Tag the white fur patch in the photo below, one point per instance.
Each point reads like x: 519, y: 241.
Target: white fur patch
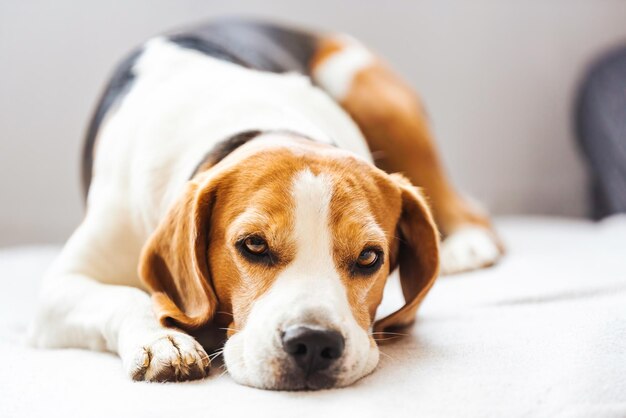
x: 336, y: 73
x: 311, y: 196
x: 467, y: 249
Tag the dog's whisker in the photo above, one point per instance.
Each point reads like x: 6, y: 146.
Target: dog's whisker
x: 387, y: 339
x: 386, y: 355
x: 225, y: 313
x: 389, y: 333
x: 225, y: 370
x: 399, y: 238
x: 230, y: 329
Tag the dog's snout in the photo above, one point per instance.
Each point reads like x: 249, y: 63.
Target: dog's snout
x: 313, y: 349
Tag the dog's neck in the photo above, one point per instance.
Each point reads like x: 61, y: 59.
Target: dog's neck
x: 224, y: 148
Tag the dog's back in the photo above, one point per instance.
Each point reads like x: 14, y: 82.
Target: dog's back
x: 251, y: 44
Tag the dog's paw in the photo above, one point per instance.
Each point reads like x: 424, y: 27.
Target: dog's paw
x: 173, y: 357
x: 469, y: 248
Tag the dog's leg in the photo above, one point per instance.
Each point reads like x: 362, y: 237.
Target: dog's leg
x: 393, y: 121
x: 88, y: 301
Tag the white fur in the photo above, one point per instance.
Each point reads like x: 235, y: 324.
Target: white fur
x: 335, y: 73
x: 309, y: 292
x: 180, y: 105
x: 468, y: 248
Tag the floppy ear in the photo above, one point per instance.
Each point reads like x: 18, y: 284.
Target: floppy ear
x: 418, y: 255
x: 174, y: 261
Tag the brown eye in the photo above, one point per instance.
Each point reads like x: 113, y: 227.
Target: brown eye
x: 367, y: 258
x: 255, y: 245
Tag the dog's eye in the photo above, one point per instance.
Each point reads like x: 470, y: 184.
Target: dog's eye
x: 367, y: 258
x: 256, y: 250
x: 255, y: 245
x: 368, y: 262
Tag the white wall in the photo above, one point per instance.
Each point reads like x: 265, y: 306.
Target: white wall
x: 498, y: 77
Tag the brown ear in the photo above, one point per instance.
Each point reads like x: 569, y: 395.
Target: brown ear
x: 174, y: 261
x: 418, y: 255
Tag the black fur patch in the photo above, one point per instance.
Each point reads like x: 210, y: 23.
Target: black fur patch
x: 205, y: 46
x: 118, y: 86
x: 225, y: 147
x: 230, y: 144
x: 252, y: 44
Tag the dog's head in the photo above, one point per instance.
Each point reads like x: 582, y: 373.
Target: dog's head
x: 295, y: 240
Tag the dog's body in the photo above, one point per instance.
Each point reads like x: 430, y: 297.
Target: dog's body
x: 232, y: 178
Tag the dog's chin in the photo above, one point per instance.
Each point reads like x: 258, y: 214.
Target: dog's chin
x: 276, y: 373
x: 295, y: 380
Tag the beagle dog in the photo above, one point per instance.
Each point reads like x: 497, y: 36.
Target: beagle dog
x: 231, y: 185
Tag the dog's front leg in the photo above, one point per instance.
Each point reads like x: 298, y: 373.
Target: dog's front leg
x: 79, y: 308
x: 81, y: 312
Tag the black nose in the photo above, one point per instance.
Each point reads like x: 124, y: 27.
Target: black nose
x: 313, y: 349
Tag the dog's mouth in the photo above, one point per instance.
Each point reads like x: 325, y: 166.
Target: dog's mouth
x: 298, y: 381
